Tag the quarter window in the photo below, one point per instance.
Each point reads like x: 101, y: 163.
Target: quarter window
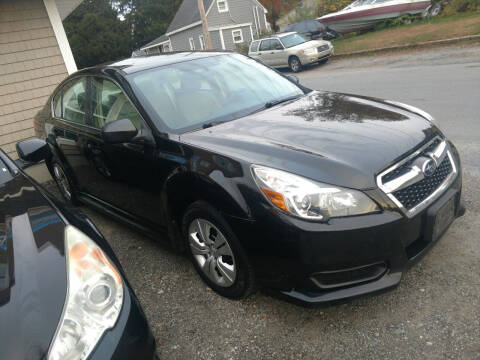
x: 222, y: 6
x: 192, y: 44
x: 237, y: 36
x: 109, y: 103
x: 74, y: 101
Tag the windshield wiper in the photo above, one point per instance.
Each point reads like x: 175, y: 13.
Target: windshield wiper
x: 271, y: 103
x: 212, y: 123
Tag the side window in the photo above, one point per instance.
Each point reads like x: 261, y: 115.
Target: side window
x: 254, y: 46
x: 265, y: 45
x: 109, y: 103
x: 276, y: 45
x: 74, y: 101
x: 57, y: 104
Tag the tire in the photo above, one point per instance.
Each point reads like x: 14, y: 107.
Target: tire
x: 323, y: 61
x: 295, y: 64
x: 435, y: 10
x: 220, y: 261
x: 63, y: 181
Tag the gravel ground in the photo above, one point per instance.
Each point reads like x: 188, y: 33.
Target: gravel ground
x: 434, y: 313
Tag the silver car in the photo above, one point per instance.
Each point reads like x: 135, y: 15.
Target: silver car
x: 290, y: 50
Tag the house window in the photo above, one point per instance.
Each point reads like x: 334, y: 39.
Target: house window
x: 192, y: 44
x: 166, y: 47
x: 222, y: 6
x: 202, y: 42
x: 237, y: 36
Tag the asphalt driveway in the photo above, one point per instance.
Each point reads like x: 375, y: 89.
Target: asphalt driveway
x: 434, y: 313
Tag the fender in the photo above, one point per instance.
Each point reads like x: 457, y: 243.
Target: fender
x: 183, y: 187
x: 56, y: 152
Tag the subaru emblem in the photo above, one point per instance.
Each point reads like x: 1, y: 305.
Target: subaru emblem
x: 429, y: 167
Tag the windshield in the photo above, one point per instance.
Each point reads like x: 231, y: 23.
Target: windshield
x: 188, y: 95
x: 360, y: 3
x: 293, y: 40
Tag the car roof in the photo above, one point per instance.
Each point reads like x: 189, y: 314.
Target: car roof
x: 276, y: 36
x: 139, y: 63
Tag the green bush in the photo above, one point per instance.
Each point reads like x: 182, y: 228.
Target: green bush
x: 460, y: 6
x: 243, y: 48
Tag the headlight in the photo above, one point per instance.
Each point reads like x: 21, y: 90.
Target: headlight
x: 308, y: 199
x: 94, y: 298
x: 310, y: 51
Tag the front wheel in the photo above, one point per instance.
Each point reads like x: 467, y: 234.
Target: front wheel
x: 323, y: 61
x: 216, y: 253
x: 63, y: 182
x: 295, y: 64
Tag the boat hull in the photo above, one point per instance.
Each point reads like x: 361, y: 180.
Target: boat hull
x: 366, y: 17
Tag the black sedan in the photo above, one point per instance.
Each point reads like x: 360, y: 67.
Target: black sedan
x: 63, y: 294
x: 318, y: 196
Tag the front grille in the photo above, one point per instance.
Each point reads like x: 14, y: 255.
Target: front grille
x: 407, y: 184
x: 322, y: 48
x: 405, y: 167
x: 414, y: 194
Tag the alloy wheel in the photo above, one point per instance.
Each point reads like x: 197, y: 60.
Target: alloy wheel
x: 211, y: 251
x: 295, y: 65
x: 62, y: 181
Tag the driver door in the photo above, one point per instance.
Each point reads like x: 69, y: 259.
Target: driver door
x: 123, y: 173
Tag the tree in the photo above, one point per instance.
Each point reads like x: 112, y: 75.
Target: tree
x: 147, y: 19
x: 96, y: 33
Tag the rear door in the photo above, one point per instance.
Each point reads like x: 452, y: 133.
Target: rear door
x: 278, y: 53
x: 264, y: 51
x: 70, y: 122
x: 253, y: 51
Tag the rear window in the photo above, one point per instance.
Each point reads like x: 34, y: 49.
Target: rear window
x: 254, y: 46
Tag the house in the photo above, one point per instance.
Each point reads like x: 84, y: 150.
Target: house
x: 35, y: 57
x: 230, y: 22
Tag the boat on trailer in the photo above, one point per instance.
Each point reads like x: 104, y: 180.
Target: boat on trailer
x: 364, y: 14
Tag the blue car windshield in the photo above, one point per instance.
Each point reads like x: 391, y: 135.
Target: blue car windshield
x: 189, y: 95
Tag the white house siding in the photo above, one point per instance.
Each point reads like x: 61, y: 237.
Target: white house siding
x: 31, y: 65
x: 239, y: 12
x: 228, y: 38
x: 180, y: 40
x: 216, y: 41
x: 216, y: 19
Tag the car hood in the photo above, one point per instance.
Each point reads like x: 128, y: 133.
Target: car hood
x: 330, y: 137
x: 308, y: 45
x: 32, y: 270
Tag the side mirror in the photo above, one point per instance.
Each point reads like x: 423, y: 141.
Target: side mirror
x: 119, y: 131
x: 33, y: 150
x: 293, y: 79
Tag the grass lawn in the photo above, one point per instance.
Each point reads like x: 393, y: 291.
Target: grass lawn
x: 425, y: 30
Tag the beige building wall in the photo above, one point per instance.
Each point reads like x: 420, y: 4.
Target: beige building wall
x: 31, y: 65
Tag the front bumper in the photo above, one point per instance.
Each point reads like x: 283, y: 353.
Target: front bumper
x: 318, y: 56
x: 315, y: 263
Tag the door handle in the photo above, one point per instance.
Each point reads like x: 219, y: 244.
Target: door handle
x: 94, y: 149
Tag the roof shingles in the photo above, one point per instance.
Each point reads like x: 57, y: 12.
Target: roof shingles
x: 186, y: 15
